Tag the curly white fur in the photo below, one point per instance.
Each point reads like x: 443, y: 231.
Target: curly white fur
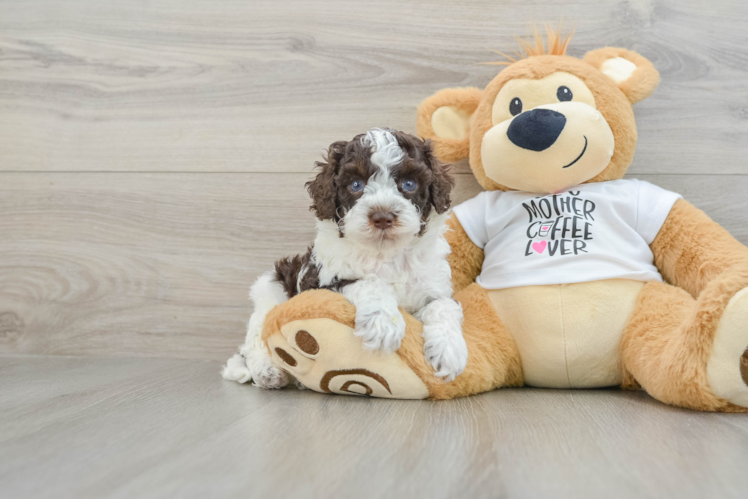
x: 444, y: 345
x: 253, y: 361
x: 378, y: 320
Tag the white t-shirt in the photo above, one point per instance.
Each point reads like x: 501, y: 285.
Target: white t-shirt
x: 591, y: 232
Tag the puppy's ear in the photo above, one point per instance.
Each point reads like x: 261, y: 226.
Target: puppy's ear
x: 442, y: 181
x: 323, y: 189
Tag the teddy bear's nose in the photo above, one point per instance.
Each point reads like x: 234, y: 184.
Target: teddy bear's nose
x: 536, y: 129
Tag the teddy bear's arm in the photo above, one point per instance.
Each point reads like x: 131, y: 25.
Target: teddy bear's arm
x: 466, y: 258
x: 691, y: 250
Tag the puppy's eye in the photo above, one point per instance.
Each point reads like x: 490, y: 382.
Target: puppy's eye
x: 515, y: 107
x: 564, y: 93
x: 357, y: 186
x: 408, y: 185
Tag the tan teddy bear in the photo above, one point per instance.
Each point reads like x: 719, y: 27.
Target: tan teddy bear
x: 568, y: 274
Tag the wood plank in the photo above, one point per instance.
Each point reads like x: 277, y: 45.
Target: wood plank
x: 172, y: 428
x: 159, y: 264
x: 147, y: 264
x: 91, y: 85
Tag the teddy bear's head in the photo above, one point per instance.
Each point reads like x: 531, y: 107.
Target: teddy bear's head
x: 547, y: 122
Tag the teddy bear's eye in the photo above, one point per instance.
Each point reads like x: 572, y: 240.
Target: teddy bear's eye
x: 515, y: 107
x: 564, y: 93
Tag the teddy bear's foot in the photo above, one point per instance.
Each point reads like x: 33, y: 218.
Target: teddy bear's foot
x: 727, y: 368
x: 312, y: 337
x: 325, y: 356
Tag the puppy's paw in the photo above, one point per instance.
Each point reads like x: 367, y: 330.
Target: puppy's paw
x: 300, y: 386
x: 445, y: 351
x: 380, y: 329
x: 236, y: 369
x: 266, y: 375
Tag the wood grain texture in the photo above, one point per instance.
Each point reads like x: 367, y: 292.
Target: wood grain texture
x: 82, y: 427
x: 146, y: 264
x: 263, y: 86
x: 113, y: 264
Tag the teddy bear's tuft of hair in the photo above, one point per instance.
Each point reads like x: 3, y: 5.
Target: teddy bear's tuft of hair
x: 556, y: 45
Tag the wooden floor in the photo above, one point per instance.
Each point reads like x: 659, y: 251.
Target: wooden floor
x: 92, y: 427
x: 152, y: 161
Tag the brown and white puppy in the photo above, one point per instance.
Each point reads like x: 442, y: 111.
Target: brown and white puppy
x: 381, y: 202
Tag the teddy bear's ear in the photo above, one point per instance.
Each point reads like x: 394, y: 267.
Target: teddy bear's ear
x: 445, y: 119
x: 634, y: 74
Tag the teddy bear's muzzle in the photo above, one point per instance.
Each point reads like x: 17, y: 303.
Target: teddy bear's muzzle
x: 549, y: 148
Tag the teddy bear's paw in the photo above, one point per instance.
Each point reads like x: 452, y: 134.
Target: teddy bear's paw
x: 727, y: 370
x: 381, y: 329
x: 236, y: 369
x: 445, y: 350
x: 325, y: 356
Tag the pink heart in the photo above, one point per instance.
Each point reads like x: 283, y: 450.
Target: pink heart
x: 539, y: 247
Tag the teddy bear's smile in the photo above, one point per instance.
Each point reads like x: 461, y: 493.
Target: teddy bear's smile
x: 580, y: 154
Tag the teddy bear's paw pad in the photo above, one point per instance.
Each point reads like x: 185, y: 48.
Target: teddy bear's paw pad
x: 727, y: 368
x: 287, y: 357
x: 358, y: 381
x: 325, y: 356
x: 295, y: 353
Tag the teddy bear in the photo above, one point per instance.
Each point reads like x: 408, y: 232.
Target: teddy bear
x: 569, y: 275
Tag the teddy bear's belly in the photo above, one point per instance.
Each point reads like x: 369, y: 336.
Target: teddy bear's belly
x: 568, y: 335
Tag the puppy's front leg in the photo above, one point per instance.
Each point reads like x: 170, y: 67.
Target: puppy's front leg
x: 378, y: 320
x: 253, y: 360
x: 444, y: 346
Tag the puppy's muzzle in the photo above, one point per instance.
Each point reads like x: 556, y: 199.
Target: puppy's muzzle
x: 382, y: 220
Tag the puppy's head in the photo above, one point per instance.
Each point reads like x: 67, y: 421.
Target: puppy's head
x: 381, y: 187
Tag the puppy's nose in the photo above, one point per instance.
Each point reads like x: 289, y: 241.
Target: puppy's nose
x: 536, y: 129
x: 382, y: 220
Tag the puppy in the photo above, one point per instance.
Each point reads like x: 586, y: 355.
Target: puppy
x: 381, y: 202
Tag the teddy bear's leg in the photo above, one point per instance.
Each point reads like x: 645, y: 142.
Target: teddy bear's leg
x: 687, y: 352
x: 311, y: 337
